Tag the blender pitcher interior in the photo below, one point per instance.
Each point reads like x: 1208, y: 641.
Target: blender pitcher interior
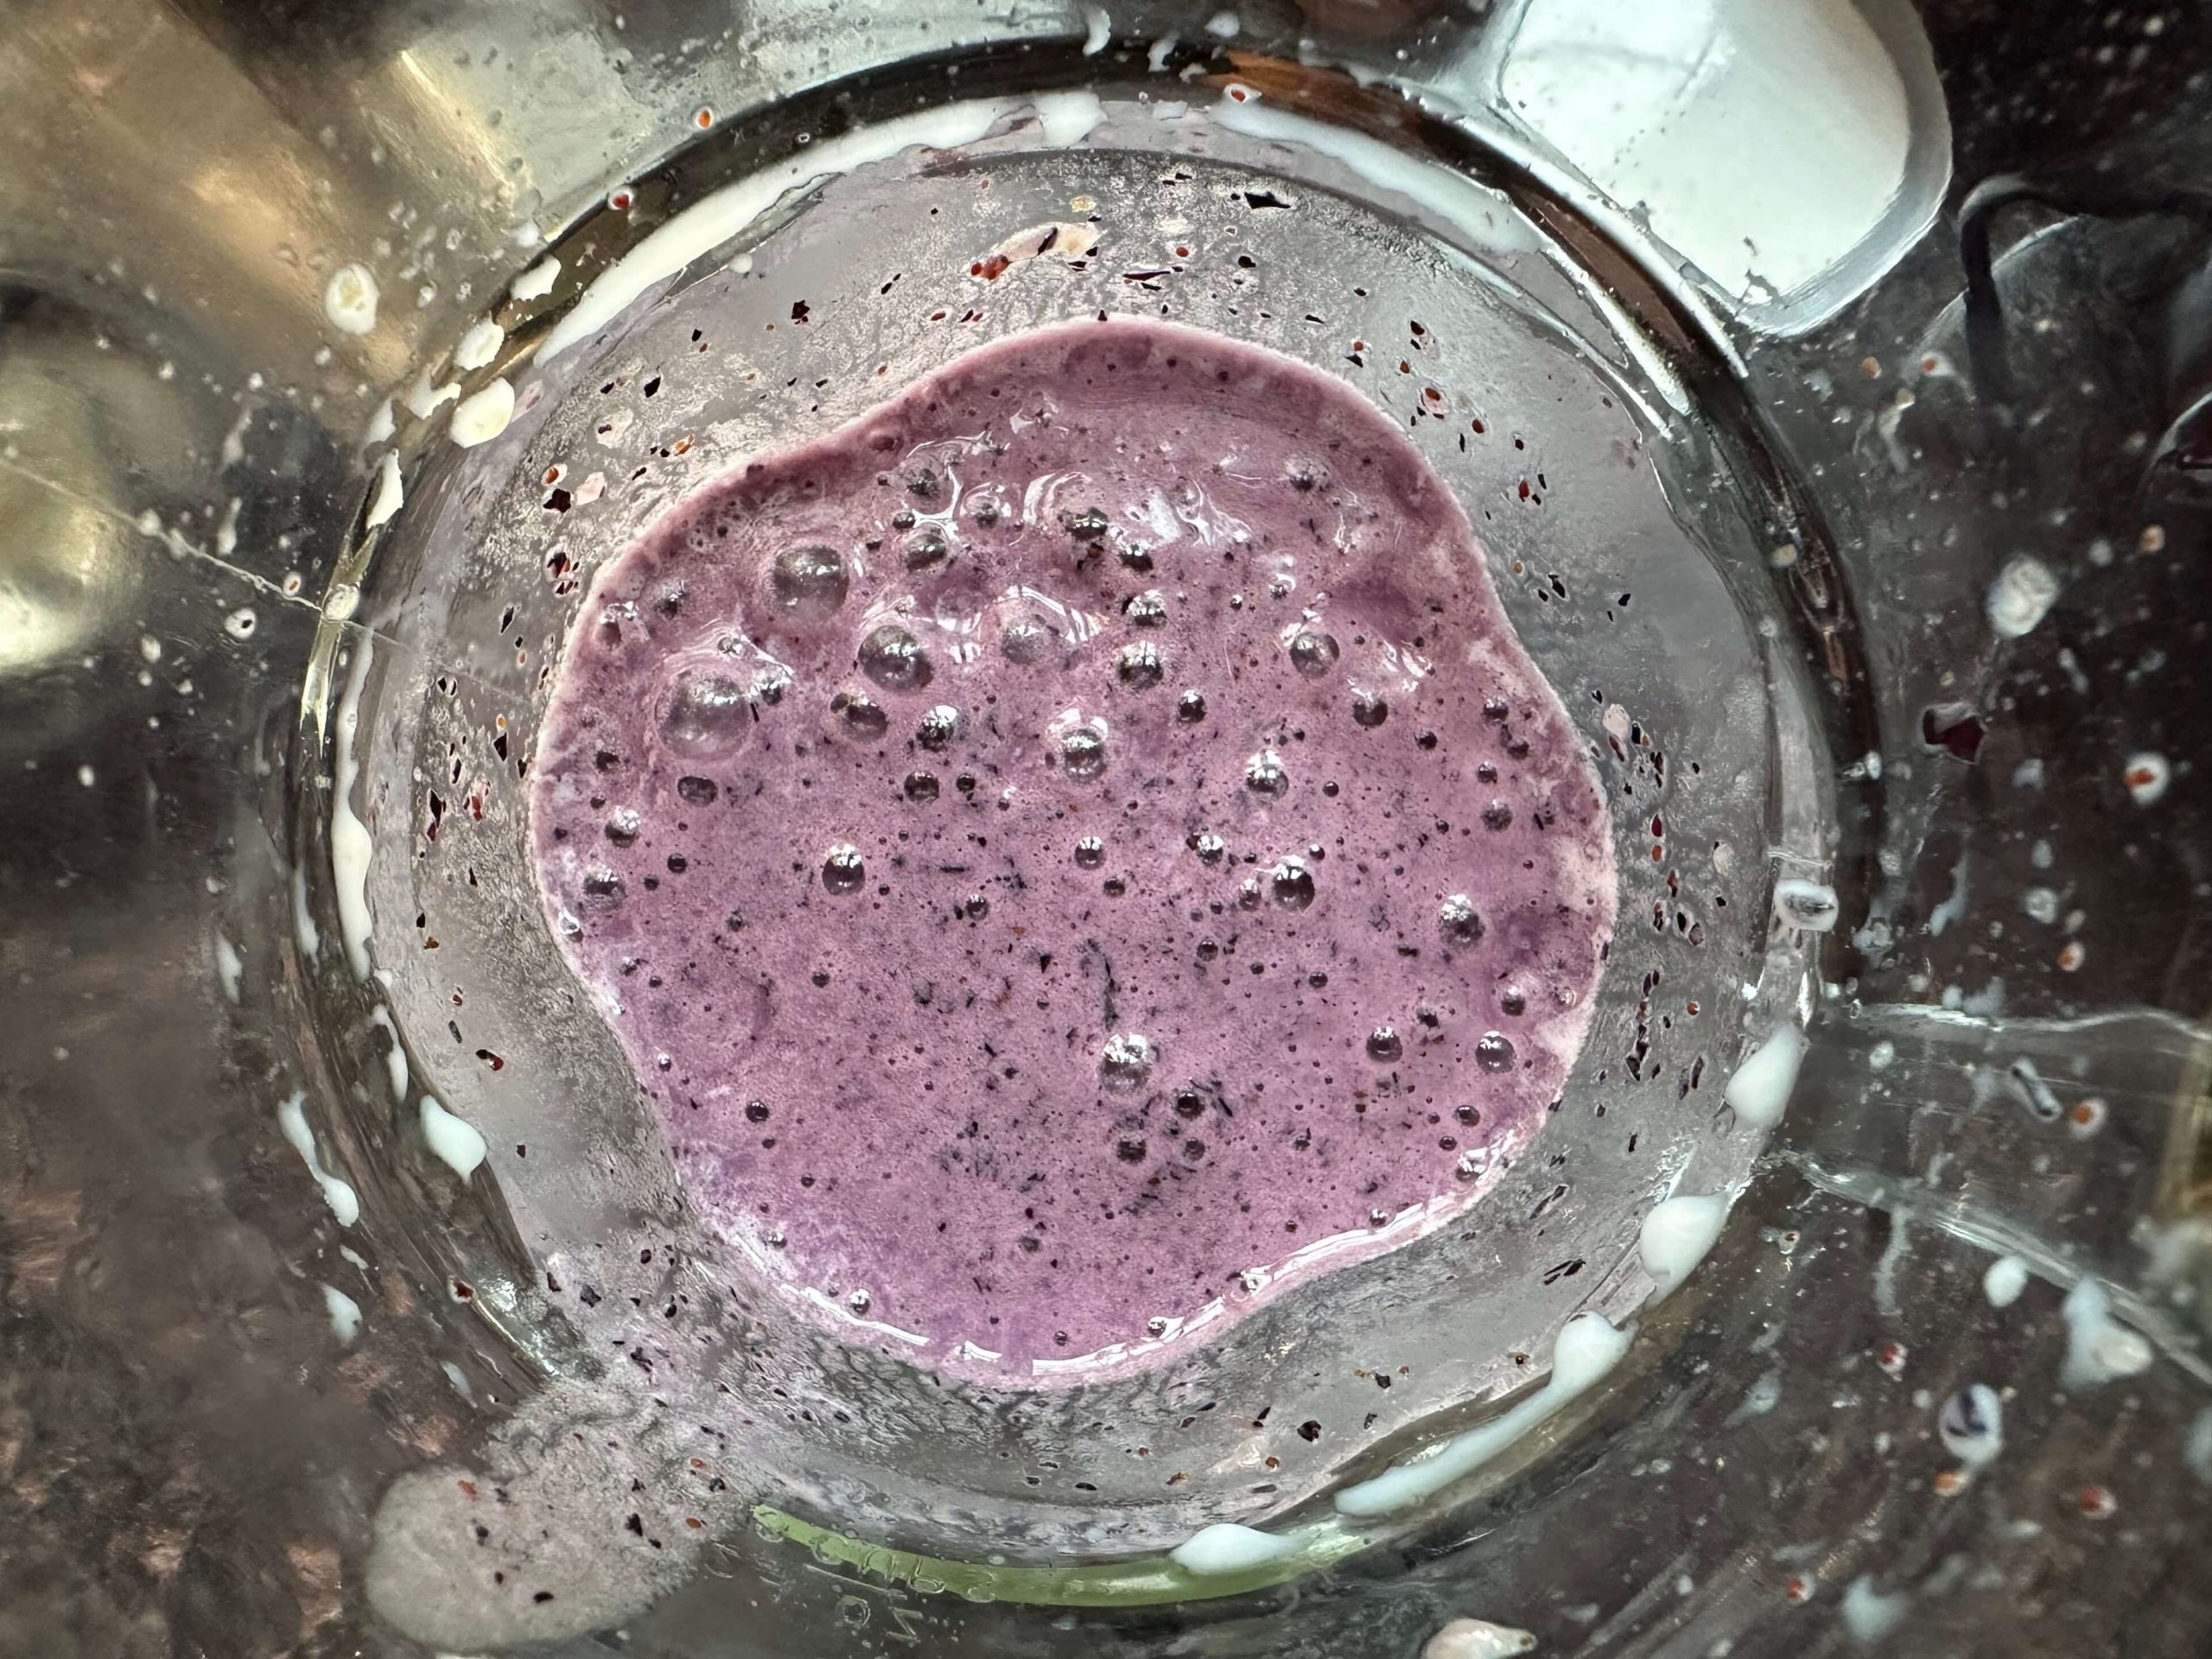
x: 1818, y: 389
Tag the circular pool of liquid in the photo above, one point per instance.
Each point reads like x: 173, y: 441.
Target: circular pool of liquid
x: 1082, y: 836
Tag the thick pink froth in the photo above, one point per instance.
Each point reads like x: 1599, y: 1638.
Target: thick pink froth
x: 909, y: 1097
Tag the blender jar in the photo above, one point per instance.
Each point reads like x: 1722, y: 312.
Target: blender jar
x: 1823, y: 384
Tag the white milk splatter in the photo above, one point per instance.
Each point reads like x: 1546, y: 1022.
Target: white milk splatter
x: 1218, y: 1551
x: 1869, y: 1616
x: 1098, y: 31
x: 1067, y: 118
x: 349, y: 300
x: 390, y: 494
x: 1225, y: 26
x: 537, y: 282
x: 1971, y: 1425
x: 1588, y: 1348
x: 2006, y: 1278
x: 1678, y: 1233
x: 226, y: 528
x: 344, y: 1314
x: 1886, y: 1265
x: 394, y: 1059
x: 350, y: 845
x: 482, y: 416
x: 1810, y: 905
x: 453, y: 1140
x: 2021, y: 596
x: 423, y: 398
x: 1952, y: 909
x: 304, y: 927
x: 1478, y: 1638
x: 229, y: 968
x: 292, y: 1118
x: 2147, y: 774
x: 479, y: 345
x: 1759, y: 1089
x: 2098, y: 1350
x: 1762, y: 1396
x: 381, y: 426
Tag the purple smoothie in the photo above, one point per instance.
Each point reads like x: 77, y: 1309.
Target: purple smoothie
x: 1074, y: 852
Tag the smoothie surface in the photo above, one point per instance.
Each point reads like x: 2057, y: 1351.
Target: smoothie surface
x: 1074, y: 852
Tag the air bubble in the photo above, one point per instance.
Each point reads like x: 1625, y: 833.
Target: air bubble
x: 1494, y: 1052
x: 709, y: 714
x: 1384, y: 1045
x: 1209, y: 847
x: 696, y: 791
x: 1312, y: 653
x: 1498, y: 815
x: 809, y: 584
x: 1147, y: 610
x: 927, y: 548
x: 1292, y: 884
x: 1265, y: 774
x: 938, y: 728
x: 894, y: 659
x: 1127, y: 1060
x: 1369, y: 709
x: 623, y: 825
x: 1089, y: 852
x: 1459, y: 921
x: 603, y: 888
x: 1023, y: 643
x: 864, y: 717
x: 1139, y: 668
x: 1083, y: 752
x: 843, y: 872
x: 921, y: 787
x: 1086, y: 524
x: 1190, y: 708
